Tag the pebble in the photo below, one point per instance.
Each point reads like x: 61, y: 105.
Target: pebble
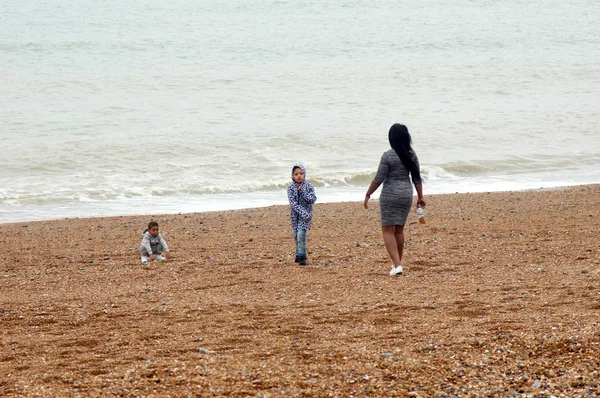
x: 388, y: 355
x: 203, y: 351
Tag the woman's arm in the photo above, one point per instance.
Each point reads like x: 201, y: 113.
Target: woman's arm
x: 416, y: 179
x: 420, y: 200
x: 372, y: 188
x: 380, y: 177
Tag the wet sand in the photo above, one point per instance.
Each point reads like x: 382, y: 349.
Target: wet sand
x: 500, y: 297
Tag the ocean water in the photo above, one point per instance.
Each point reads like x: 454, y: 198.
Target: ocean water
x: 117, y: 108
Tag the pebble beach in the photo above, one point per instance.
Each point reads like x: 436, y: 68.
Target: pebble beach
x: 500, y: 298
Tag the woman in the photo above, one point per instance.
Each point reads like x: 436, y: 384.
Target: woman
x: 397, y: 193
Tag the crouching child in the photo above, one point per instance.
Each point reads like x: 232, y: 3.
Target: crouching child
x: 153, y: 245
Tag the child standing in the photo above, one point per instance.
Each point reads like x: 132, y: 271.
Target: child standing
x: 301, y: 195
x: 153, y: 245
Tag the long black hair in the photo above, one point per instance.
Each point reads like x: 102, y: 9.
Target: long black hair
x: 400, y: 141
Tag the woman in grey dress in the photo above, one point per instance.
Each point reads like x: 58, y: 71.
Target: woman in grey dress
x: 397, y: 194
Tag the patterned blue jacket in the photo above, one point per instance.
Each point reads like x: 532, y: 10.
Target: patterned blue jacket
x: 301, y: 201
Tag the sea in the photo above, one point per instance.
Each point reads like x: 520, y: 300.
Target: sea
x: 127, y: 107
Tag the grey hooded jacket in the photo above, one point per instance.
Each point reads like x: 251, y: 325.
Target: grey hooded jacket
x: 151, y: 245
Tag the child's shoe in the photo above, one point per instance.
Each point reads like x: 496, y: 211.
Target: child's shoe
x: 159, y: 257
x: 144, y: 260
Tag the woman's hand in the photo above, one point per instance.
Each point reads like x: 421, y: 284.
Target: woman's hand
x: 372, y: 188
x: 366, y: 204
x: 421, y: 202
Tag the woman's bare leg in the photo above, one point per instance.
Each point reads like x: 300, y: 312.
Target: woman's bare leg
x: 399, y: 232
x: 389, y: 237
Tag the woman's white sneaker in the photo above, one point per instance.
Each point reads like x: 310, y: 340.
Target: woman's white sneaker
x: 396, y: 271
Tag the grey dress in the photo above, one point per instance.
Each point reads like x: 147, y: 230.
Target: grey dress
x: 397, y: 194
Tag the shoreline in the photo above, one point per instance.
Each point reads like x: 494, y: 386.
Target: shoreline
x: 500, y: 296
x: 354, y: 192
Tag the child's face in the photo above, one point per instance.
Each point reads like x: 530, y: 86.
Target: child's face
x: 153, y: 231
x: 298, y: 176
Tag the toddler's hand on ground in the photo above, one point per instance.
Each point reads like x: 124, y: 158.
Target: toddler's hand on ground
x: 151, y: 257
x: 166, y: 255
